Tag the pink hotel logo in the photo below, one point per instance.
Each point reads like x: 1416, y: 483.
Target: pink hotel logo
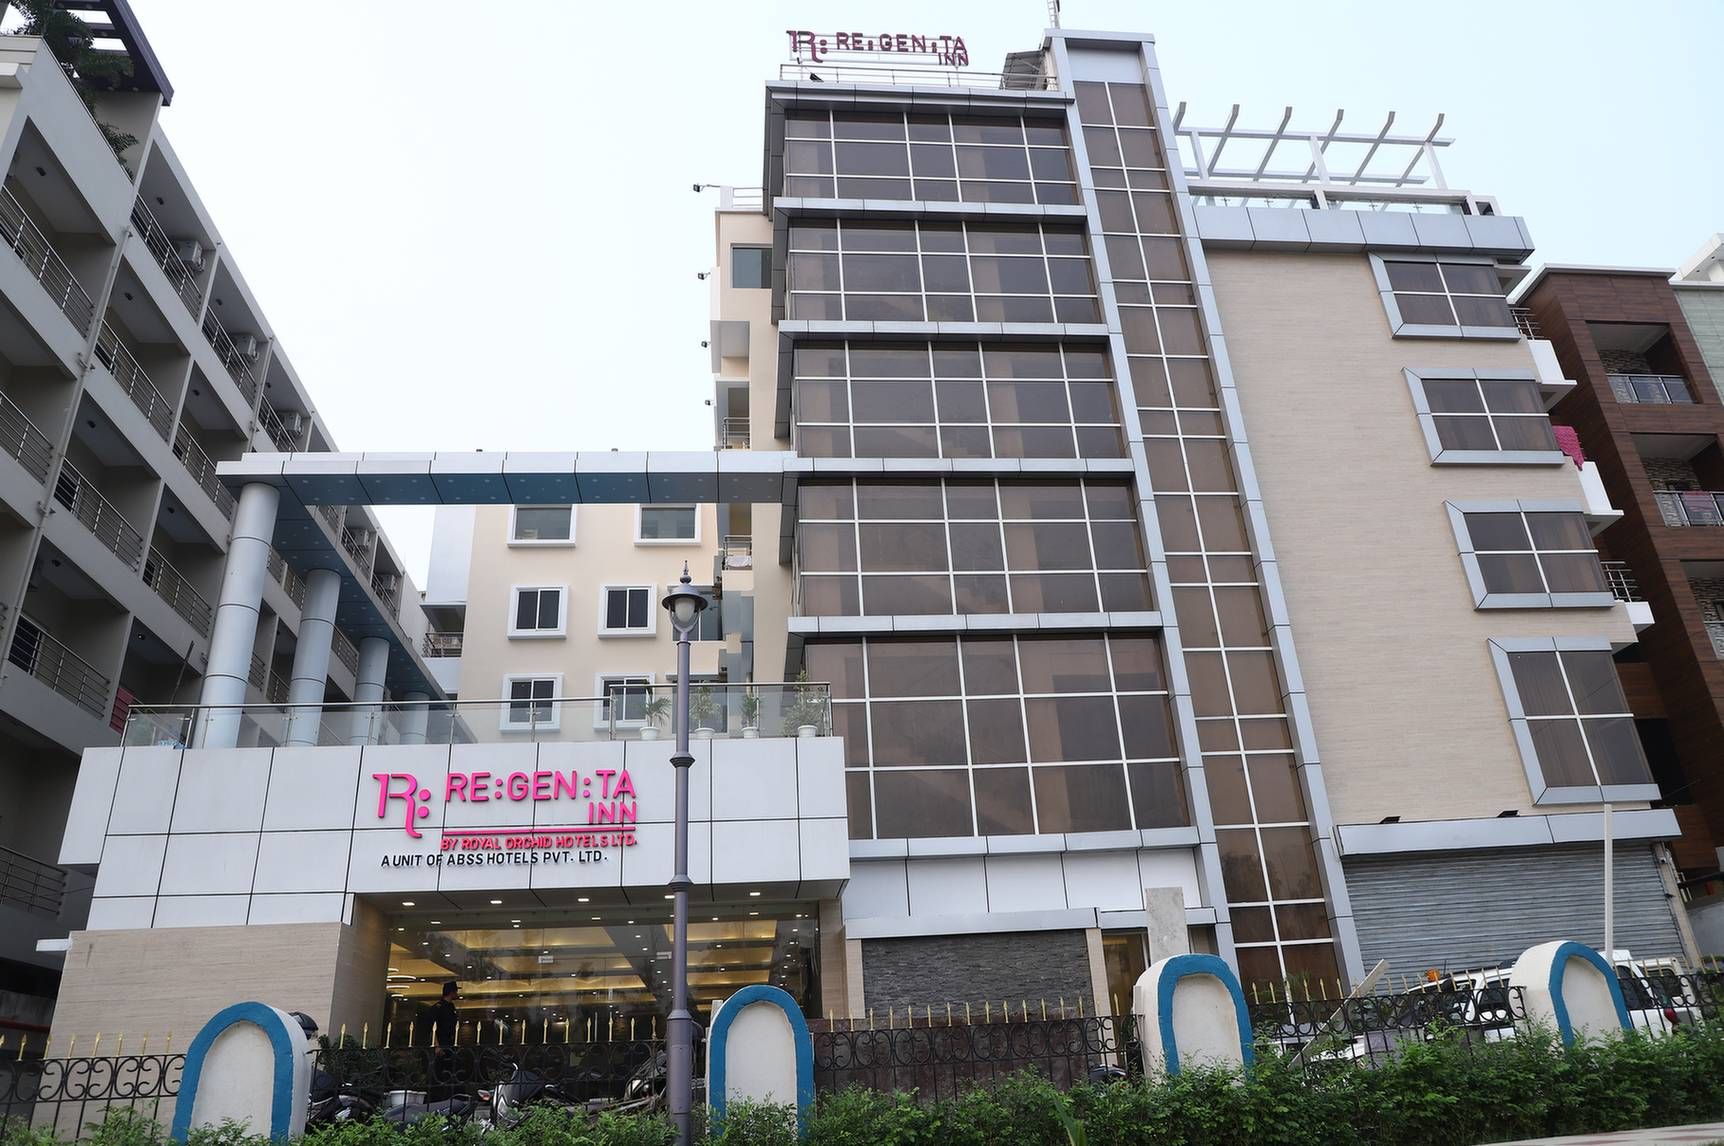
x: 609, y: 796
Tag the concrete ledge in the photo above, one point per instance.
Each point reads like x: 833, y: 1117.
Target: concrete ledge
x: 1504, y: 832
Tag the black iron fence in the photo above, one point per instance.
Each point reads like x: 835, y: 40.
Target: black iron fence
x: 580, y: 1072
x: 68, y: 1096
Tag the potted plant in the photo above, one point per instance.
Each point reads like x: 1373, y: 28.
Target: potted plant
x: 701, y: 710
x: 655, y: 710
x: 750, y: 706
x: 807, y: 713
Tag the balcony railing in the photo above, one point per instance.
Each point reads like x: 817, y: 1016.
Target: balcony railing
x: 171, y: 586
x: 358, y: 546
x: 43, y: 262
x: 30, y: 884
x: 58, y: 667
x: 238, y: 365
x: 922, y: 75
x: 1715, y: 630
x: 737, y: 552
x: 733, y: 434
x: 258, y: 673
x: 334, y: 516
x: 203, y: 471
x: 387, y: 586
x: 112, y: 353
x: 1526, y: 322
x: 20, y: 438
x: 741, y: 198
x: 1650, y: 389
x: 277, y: 431
x: 1621, y: 580
x: 180, y: 276
x: 443, y: 644
x: 344, y: 651
x: 276, y: 693
x: 287, y: 578
x: 73, y: 491
x: 1690, y: 507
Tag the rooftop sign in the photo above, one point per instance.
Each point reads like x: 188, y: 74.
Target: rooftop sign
x: 948, y: 51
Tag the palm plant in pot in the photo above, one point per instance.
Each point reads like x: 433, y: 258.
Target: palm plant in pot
x: 655, y: 710
x: 806, y: 715
x: 750, y: 706
x: 702, y: 709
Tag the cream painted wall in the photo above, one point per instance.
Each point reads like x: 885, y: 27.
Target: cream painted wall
x: 604, y: 552
x: 1408, y: 712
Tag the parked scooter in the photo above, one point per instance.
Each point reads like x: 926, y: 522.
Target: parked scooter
x: 508, y: 1101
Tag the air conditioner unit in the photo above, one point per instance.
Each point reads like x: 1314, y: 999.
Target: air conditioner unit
x: 295, y: 422
x: 246, y: 344
x: 191, y: 253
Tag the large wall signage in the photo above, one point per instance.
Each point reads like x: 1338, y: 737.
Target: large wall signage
x: 948, y: 51
x: 597, y: 810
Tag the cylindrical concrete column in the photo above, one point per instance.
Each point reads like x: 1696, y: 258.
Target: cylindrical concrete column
x: 234, y: 633
x: 311, y: 656
x: 415, y: 717
x: 368, y: 691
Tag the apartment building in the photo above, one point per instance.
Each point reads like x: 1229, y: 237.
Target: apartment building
x: 133, y: 360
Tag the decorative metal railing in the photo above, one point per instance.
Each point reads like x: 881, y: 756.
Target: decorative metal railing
x: 20, y: 438
x: 180, y: 276
x: 1650, y: 389
x: 74, y: 491
x: 31, y: 884
x: 238, y: 365
x: 58, y: 667
x: 68, y: 1097
x: 44, y: 263
x: 1690, y: 507
x: 203, y: 471
x: 1621, y: 580
x: 171, y: 586
x: 1715, y: 630
x: 112, y: 353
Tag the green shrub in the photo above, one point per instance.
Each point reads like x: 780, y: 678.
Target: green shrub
x: 755, y: 1124
x: 123, y: 1126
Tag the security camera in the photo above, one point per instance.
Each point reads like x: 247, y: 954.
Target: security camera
x: 704, y: 344
x: 701, y: 275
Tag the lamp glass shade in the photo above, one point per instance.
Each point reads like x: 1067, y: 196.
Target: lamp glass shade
x: 683, y: 609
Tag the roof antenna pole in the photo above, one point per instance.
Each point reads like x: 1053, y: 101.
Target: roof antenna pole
x: 1054, y: 13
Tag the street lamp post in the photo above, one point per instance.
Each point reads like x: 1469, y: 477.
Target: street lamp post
x: 684, y: 605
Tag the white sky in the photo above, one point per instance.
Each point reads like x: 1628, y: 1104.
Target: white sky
x: 471, y: 225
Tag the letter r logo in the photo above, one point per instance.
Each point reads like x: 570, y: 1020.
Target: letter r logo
x: 416, y: 798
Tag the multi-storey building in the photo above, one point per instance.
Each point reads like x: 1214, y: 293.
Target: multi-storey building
x: 1185, y: 543
x: 133, y: 360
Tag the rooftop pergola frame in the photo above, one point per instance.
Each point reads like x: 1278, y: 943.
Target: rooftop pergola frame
x: 1328, y: 158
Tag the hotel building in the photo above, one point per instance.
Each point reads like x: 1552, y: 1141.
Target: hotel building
x: 1165, y: 539
x: 133, y: 360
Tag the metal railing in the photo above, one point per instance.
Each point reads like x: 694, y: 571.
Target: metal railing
x: 741, y: 198
x: 112, y: 353
x: 286, y: 578
x: 1715, y: 630
x: 737, y: 551
x: 923, y: 75
x: 171, y: 586
x: 203, y: 471
x: 20, y: 438
x: 31, y: 884
x: 238, y: 365
x: 65, y: 1099
x: 443, y: 644
x: 344, y: 651
x: 733, y: 434
x: 1526, y: 322
x: 334, y: 516
x: 276, y: 691
x: 257, y: 674
x: 275, y: 428
x: 74, y: 491
x: 180, y: 277
x: 1621, y: 580
x: 387, y: 586
x: 357, y: 543
x: 1690, y: 507
x: 58, y: 667
x: 1650, y: 389
x: 44, y: 263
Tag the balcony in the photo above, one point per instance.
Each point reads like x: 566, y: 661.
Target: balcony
x: 276, y: 692
x: 257, y: 675
x: 1526, y: 322
x: 344, y: 651
x: 286, y: 578
x: 112, y: 353
x: 357, y: 544
x: 171, y: 586
x: 180, y: 276
x: 277, y: 431
x: 74, y: 492
x: 1690, y: 507
x: 58, y: 667
x: 1715, y: 630
x: 31, y: 885
x: 387, y: 586
x: 203, y: 471
x: 238, y: 365
x: 1650, y: 389
x: 20, y: 438
x: 1621, y: 580
x: 442, y: 644
x: 737, y: 552
x: 919, y: 75
x: 733, y: 434
x: 41, y: 260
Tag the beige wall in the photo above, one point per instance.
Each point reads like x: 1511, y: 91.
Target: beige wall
x: 153, y: 982
x: 1408, y: 712
x: 604, y: 552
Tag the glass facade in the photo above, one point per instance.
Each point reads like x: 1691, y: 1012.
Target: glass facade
x: 955, y: 400
x: 948, y: 736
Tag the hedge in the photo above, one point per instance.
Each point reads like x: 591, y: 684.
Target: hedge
x: 1442, y: 1091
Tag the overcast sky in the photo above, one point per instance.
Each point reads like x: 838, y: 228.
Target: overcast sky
x: 471, y: 225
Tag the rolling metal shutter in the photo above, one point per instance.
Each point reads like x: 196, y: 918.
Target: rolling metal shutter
x: 1463, y: 910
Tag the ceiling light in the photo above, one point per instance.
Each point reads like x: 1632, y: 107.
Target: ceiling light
x: 754, y: 913
x: 406, y: 903
x: 436, y: 923
x: 582, y: 899
x: 754, y: 894
x: 595, y: 919
x: 514, y: 921
x: 495, y: 902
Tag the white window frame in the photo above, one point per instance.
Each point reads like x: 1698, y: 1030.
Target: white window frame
x: 1543, y: 793
x: 605, y: 630
x: 1444, y: 456
x: 1483, y: 598
x: 695, y: 540
x: 601, y: 689
x: 504, y: 724
x: 1401, y: 328
x: 562, y: 629
x: 529, y: 542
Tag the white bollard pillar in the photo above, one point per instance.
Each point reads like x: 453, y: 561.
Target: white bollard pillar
x: 311, y: 656
x: 234, y: 633
x: 415, y: 717
x: 368, y: 691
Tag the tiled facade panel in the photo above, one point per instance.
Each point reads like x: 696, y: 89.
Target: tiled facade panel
x: 981, y: 970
